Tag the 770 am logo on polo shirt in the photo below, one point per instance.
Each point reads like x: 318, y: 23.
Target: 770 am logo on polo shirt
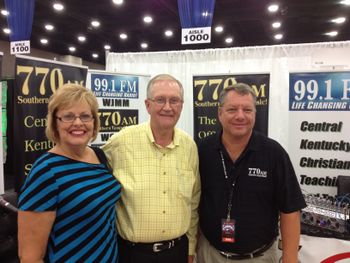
x: 257, y: 172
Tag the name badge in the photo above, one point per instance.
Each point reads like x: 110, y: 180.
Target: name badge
x: 228, y: 227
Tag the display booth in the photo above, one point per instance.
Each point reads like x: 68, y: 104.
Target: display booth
x: 308, y: 98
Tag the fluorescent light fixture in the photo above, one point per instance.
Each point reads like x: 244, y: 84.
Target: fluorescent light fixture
x: 94, y: 55
x: 273, y: 8
x: 107, y: 47
x: 72, y: 49
x: 219, y: 29
x: 345, y: 2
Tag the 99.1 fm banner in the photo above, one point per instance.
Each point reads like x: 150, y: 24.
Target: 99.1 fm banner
x: 206, y: 90
x: 121, y: 101
x: 319, y: 107
x: 35, y: 81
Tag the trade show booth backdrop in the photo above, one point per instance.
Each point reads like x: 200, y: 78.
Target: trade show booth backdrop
x: 301, y: 104
x: 35, y: 81
x: 279, y: 61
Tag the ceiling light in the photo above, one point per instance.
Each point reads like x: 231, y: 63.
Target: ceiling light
x: 72, y: 49
x: 4, y: 12
x: 107, y: 47
x: 219, y: 29
x: 49, y: 27
x: 345, y: 2
x: 144, y: 45
x: 123, y: 36
x: 332, y: 33
x: 168, y: 33
x: 81, y: 38
x: 276, y: 24
x: 58, y: 6
x: 7, y: 31
x: 118, y: 2
x: 278, y: 36
x: 229, y: 40
x: 339, y: 20
x: 147, y: 19
x: 94, y: 55
x: 205, y: 14
x: 44, y: 41
x: 95, y: 23
x: 272, y: 8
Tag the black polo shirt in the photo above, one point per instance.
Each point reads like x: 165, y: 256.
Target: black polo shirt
x: 265, y: 185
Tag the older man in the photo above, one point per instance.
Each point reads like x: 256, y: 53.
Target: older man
x: 157, y: 165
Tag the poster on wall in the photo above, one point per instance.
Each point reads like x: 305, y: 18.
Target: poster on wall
x: 121, y: 101
x: 35, y: 81
x: 319, y: 107
x: 206, y: 91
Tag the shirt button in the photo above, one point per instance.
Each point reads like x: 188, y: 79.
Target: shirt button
x: 164, y: 173
x: 164, y: 192
x: 163, y: 212
x: 163, y: 154
x: 163, y: 231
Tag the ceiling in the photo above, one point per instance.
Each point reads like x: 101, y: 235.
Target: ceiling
x: 246, y: 21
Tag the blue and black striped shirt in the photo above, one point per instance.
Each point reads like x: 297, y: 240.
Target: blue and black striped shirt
x: 84, y: 197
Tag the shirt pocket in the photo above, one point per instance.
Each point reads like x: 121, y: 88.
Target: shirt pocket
x: 186, y: 182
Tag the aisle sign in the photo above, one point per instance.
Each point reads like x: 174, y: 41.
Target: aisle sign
x: 20, y: 47
x: 196, y: 35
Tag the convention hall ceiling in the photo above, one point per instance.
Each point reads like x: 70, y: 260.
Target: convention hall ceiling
x: 245, y: 22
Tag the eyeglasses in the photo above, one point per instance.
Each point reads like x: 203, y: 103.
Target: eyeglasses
x: 174, y: 101
x: 71, y: 118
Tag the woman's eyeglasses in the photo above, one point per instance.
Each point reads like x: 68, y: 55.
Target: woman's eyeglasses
x: 71, y: 118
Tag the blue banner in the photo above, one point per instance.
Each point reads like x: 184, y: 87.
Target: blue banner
x: 321, y: 91
x: 113, y: 86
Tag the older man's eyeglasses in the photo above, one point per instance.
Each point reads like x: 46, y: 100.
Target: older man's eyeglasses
x: 161, y: 101
x: 71, y: 118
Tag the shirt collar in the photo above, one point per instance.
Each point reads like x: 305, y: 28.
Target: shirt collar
x: 175, y: 142
x: 253, y: 144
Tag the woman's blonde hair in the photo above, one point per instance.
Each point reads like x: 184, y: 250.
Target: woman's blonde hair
x: 64, y: 97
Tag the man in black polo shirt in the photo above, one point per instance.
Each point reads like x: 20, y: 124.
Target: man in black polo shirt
x: 248, y: 184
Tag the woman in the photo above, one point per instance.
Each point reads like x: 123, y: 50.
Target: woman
x: 67, y: 203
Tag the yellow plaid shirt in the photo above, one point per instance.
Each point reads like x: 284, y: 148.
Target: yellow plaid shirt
x: 160, y: 186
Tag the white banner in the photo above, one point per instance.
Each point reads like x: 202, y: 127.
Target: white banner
x: 319, y: 105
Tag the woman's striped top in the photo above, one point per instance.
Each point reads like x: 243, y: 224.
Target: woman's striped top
x: 84, y: 197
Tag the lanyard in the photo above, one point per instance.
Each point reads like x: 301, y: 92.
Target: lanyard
x: 229, y: 205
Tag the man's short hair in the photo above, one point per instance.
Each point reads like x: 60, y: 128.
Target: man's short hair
x: 240, y: 88
x: 163, y: 77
